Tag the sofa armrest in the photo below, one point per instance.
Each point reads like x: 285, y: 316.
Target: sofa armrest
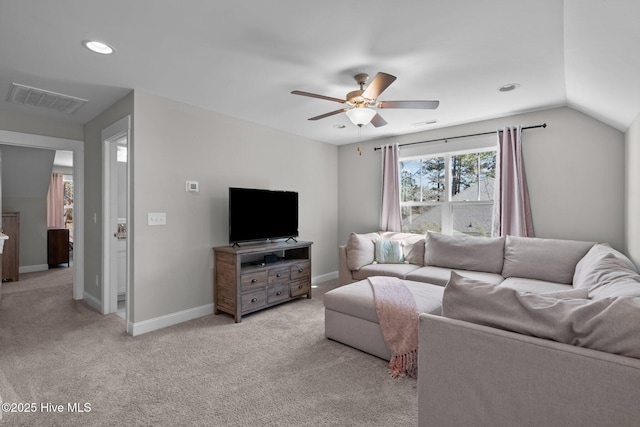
x: 470, y: 374
x: 344, y: 274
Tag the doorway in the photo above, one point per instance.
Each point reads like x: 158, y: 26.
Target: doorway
x: 77, y: 147
x: 115, y: 214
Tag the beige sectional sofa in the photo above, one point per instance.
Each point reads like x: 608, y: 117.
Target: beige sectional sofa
x: 525, y: 264
x: 514, y: 331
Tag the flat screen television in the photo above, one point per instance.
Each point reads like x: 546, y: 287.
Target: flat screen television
x: 256, y: 214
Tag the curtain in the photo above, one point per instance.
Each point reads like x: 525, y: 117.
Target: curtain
x: 390, y: 212
x: 512, y: 209
x: 55, y: 202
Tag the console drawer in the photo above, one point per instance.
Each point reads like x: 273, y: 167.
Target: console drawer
x: 278, y: 276
x: 253, y: 300
x: 300, y: 287
x: 255, y: 279
x: 277, y: 293
x: 300, y: 270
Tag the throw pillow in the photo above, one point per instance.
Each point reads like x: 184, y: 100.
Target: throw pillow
x: 605, y: 272
x: 361, y: 250
x: 464, y: 252
x: 412, y: 245
x: 388, y: 252
x: 608, y: 324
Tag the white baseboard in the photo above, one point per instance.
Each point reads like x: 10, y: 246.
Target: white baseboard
x: 156, y: 323
x: 324, y: 277
x: 33, y: 268
x: 92, y: 301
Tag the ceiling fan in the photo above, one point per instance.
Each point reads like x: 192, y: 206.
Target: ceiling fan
x: 360, y: 102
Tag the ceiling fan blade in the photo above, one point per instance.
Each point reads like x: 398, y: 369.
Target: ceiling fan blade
x: 378, y: 121
x: 322, y: 116
x: 315, y: 95
x: 428, y: 105
x: 379, y: 83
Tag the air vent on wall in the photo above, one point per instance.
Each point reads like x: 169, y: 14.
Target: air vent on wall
x: 21, y: 94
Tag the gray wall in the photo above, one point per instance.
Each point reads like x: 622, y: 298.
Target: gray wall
x: 632, y: 191
x: 575, y: 169
x: 93, y: 191
x: 173, y: 143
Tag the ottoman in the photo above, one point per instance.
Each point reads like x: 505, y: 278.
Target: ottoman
x: 350, y: 314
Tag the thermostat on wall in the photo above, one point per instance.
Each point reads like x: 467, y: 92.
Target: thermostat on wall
x: 192, y: 186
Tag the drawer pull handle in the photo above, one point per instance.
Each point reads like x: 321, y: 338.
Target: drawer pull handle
x: 279, y: 293
x: 278, y: 275
x: 254, y: 280
x: 254, y: 299
x: 300, y: 270
x: 300, y: 286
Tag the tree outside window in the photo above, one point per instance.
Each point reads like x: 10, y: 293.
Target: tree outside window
x: 450, y: 193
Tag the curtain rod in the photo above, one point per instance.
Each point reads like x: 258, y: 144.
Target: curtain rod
x: 543, y: 125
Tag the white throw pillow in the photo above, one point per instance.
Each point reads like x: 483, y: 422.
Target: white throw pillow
x: 361, y: 250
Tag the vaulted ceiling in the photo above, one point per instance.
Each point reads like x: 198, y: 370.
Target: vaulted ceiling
x: 243, y: 58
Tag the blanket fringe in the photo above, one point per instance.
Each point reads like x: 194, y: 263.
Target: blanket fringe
x: 404, y: 364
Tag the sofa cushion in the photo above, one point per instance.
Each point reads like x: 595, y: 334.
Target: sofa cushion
x: 523, y: 284
x: 552, y: 260
x: 394, y: 270
x: 440, y: 275
x: 412, y: 245
x: 605, y: 272
x: 356, y: 299
x: 388, y: 251
x: 464, y: 252
x: 608, y: 324
x: 361, y: 250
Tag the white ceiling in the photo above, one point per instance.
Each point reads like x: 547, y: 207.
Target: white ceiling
x: 243, y: 58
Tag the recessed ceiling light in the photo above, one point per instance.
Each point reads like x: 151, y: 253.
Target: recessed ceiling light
x: 508, y: 87
x: 98, y: 47
x: 339, y: 126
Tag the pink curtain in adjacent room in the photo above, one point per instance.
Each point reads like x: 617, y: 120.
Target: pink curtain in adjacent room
x: 512, y: 210
x: 55, y: 202
x: 390, y: 219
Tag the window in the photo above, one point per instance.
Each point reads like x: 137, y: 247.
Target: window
x: 451, y: 193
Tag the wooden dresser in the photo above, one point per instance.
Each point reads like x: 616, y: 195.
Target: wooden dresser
x: 243, y: 282
x: 11, y: 251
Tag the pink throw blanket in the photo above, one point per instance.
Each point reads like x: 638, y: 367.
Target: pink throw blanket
x: 398, y: 318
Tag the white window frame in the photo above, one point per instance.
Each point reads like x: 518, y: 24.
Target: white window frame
x: 447, y: 205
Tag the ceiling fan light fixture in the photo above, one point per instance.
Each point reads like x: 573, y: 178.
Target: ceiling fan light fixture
x: 361, y: 116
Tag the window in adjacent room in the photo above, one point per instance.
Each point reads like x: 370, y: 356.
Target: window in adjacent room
x: 451, y: 193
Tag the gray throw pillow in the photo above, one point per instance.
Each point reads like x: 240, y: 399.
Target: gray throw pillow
x: 464, y: 252
x: 608, y: 324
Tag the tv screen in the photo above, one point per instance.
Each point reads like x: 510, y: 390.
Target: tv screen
x: 262, y: 214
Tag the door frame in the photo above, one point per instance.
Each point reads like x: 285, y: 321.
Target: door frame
x: 77, y: 147
x: 110, y: 135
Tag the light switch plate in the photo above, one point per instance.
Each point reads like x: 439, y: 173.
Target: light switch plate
x: 157, y: 218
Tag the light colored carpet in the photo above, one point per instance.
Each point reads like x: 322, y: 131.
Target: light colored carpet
x: 275, y: 368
